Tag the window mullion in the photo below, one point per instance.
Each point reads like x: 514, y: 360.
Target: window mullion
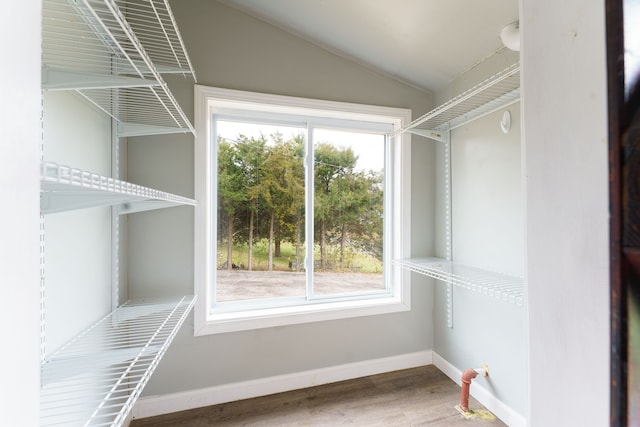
x: 388, y: 216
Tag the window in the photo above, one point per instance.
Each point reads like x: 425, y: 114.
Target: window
x: 302, y: 207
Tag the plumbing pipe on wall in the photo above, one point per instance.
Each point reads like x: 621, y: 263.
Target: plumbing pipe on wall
x: 467, y: 376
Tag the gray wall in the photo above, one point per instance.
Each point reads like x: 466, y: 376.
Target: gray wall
x: 78, y: 242
x: 487, y: 194
x: 231, y: 50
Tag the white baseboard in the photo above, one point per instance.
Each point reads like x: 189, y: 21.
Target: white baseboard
x: 168, y: 403
x: 481, y: 394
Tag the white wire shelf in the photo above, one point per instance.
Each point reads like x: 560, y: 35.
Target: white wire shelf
x: 496, y: 285
x: 63, y: 188
x: 498, y: 91
x: 115, y: 57
x: 156, y: 28
x: 95, y: 379
x: 140, y: 110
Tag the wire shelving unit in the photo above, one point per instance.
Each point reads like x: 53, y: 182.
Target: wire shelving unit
x: 113, y: 53
x: 115, y: 58
x: 63, y: 188
x: 498, y: 91
x: 95, y: 379
x: 496, y: 285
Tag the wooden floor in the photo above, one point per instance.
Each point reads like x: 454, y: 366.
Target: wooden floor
x: 414, y: 397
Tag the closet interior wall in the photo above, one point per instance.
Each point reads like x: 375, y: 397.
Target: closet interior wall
x: 479, y: 226
x: 486, y: 232
x: 77, y: 244
x: 231, y: 49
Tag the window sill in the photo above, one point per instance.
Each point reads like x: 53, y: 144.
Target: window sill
x: 281, y: 316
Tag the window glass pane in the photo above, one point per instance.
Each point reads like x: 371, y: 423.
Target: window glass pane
x: 348, y: 211
x: 260, y: 216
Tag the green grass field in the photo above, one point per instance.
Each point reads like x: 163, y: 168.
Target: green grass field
x: 354, y: 261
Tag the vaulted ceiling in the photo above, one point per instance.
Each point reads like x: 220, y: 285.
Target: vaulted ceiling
x: 426, y: 43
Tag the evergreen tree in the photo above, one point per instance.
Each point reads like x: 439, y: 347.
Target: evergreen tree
x: 332, y: 164
x: 231, y: 192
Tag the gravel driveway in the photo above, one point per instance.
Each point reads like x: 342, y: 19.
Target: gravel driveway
x: 243, y: 284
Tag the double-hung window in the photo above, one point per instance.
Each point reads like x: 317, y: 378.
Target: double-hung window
x: 302, y: 207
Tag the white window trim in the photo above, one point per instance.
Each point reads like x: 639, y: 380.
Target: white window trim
x: 205, y: 100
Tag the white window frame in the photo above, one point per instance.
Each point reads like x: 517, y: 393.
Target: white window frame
x: 209, y: 101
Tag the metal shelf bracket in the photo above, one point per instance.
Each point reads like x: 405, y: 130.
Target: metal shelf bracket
x: 432, y: 134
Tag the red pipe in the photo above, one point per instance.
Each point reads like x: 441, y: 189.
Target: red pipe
x: 467, y: 376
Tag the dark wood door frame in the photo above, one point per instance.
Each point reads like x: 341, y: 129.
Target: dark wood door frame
x: 624, y: 199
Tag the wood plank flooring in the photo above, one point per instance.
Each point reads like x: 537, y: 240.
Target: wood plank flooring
x: 421, y: 396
